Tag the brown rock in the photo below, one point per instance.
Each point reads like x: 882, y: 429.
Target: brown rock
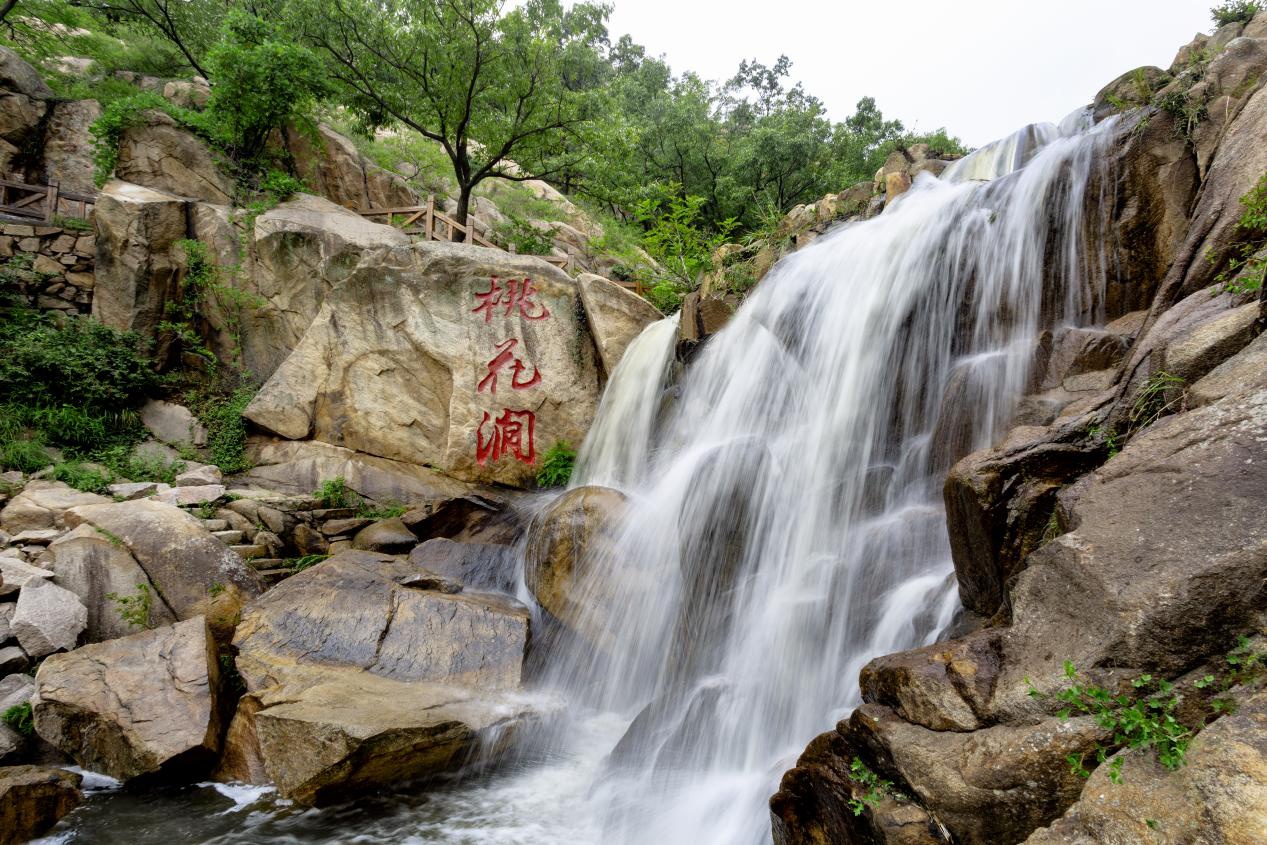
x: 387, y: 535
x: 33, y: 799
x: 615, y: 317
x: 136, y: 705
x: 161, y: 155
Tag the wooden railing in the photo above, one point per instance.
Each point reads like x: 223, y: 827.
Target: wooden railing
x: 430, y: 224
x: 43, y: 202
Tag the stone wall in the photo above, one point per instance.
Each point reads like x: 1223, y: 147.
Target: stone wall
x: 60, y: 274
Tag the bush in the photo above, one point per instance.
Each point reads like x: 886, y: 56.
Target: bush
x: 1247, y: 267
x: 262, y: 81
x: 89, y: 479
x: 524, y: 237
x: 78, y: 363
x: 334, y: 493
x: 1236, y: 11
x: 556, y: 465
x: 226, y: 428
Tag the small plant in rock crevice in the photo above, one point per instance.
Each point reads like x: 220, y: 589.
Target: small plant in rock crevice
x: 1246, y: 268
x: 874, y: 788
x: 1163, y: 393
x: 299, y: 564
x: 1235, y: 11
x: 556, y: 465
x: 20, y: 719
x: 136, y: 608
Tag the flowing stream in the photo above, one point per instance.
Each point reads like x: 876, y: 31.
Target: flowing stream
x: 785, y: 522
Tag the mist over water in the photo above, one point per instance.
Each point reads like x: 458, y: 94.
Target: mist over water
x: 785, y: 523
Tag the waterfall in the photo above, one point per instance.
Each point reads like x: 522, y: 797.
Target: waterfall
x: 786, y: 521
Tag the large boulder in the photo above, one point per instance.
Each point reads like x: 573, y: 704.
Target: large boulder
x: 43, y: 504
x: 356, y: 681
x: 616, y: 316
x: 137, y: 264
x: 159, y: 154
x: 136, y: 705
x: 572, y: 563
x: 350, y: 611
x: 68, y: 146
x: 466, y: 359
x: 183, y: 561
x: 1218, y: 795
x: 300, y: 250
x: 92, y: 566
x: 33, y: 799
x: 1246, y: 370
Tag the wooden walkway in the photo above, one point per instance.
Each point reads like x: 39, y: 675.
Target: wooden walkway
x: 42, y: 203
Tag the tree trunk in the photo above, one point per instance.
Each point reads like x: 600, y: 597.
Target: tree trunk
x: 464, y: 204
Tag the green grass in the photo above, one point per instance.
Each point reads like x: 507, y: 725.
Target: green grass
x: 334, y: 493
x: 556, y: 465
x: 20, y: 718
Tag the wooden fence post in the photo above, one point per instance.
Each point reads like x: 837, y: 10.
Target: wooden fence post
x: 50, y: 201
x: 429, y: 228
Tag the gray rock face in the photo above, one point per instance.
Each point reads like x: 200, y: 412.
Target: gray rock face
x: 91, y: 566
x: 137, y: 262
x: 183, y: 561
x: 13, y: 659
x: 1246, y: 370
x: 476, y: 566
x: 48, y: 618
x: 1209, y: 344
x: 301, y: 250
x: 356, y: 681
x: 136, y: 705
x: 23, y: 97
x: 33, y: 799
x: 615, y: 316
x: 350, y: 611
x: 159, y: 154
x: 386, y: 535
x: 466, y: 359
x: 1219, y: 795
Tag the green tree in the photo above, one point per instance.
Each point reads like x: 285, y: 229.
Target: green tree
x: 262, y: 81
x: 506, y: 93
x: 190, y: 25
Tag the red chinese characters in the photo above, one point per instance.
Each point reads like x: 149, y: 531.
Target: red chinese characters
x: 517, y: 295
x: 506, y: 358
x: 510, y: 434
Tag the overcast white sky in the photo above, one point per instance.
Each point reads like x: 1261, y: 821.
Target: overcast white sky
x: 981, y: 68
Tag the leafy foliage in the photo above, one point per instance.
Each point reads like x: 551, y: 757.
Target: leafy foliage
x: 1235, y: 11
x: 556, y: 465
x: 136, y: 608
x: 524, y: 237
x: 1162, y: 394
x: 220, y: 410
x: 85, y: 477
x: 262, y: 81
x: 20, y: 718
x: 299, y: 564
x: 1247, y: 265
x: 334, y: 493
x: 124, y: 113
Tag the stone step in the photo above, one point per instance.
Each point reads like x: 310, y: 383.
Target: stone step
x: 261, y: 563
x: 214, y: 525
x: 250, y: 552
x: 323, y: 514
x: 229, y: 538
x: 274, y: 576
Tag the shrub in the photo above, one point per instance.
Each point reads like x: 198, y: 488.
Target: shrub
x: 78, y: 363
x: 124, y: 463
x: 1247, y: 266
x: 556, y: 465
x: 226, y: 428
x: 19, y: 717
x: 524, y: 237
x: 874, y: 788
x: 262, y: 81
x: 1235, y: 11
x: 334, y: 493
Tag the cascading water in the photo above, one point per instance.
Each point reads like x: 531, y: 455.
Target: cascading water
x: 785, y: 523
x: 788, y: 511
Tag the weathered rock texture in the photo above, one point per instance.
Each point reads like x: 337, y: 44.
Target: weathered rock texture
x: 134, y: 706
x: 356, y: 681
x: 615, y: 317
x: 466, y: 359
